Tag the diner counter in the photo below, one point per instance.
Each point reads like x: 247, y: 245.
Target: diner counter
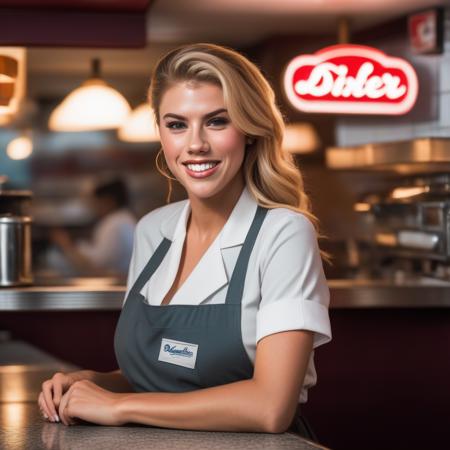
x: 98, y: 294
x: 24, y: 428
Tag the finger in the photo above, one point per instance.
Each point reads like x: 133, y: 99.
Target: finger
x: 47, y: 393
x: 70, y: 420
x: 47, y: 399
x: 57, y: 393
x: 68, y: 401
x: 42, y: 406
x: 62, y: 408
x: 70, y: 410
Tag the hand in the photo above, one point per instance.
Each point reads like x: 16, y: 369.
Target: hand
x: 52, y: 391
x: 86, y: 401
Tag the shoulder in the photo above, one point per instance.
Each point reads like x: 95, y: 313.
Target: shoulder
x: 122, y: 217
x: 125, y: 215
x: 117, y: 220
x: 282, y: 223
x: 287, y: 238
x: 148, y: 227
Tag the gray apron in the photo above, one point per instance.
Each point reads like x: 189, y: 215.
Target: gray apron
x: 179, y: 348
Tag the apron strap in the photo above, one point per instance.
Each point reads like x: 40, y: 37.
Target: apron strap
x: 152, y: 265
x: 236, y: 287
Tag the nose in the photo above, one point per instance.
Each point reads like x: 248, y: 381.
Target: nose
x: 197, y: 140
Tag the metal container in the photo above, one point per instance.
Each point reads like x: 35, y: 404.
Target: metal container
x: 15, y: 202
x: 15, y: 250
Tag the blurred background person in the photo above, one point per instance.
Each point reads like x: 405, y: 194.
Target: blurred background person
x: 108, y: 251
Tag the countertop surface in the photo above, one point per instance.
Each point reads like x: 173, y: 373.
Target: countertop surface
x: 23, y: 427
x: 104, y: 294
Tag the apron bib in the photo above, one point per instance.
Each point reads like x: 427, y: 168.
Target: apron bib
x: 179, y: 348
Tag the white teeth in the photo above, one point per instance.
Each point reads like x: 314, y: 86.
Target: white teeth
x: 201, y: 167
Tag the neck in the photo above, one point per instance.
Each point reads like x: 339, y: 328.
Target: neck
x: 208, y: 216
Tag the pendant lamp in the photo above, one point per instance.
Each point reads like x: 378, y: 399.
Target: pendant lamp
x: 300, y: 137
x: 93, y: 106
x: 21, y: 147
x: 140, y: 126
x: 12, y: 81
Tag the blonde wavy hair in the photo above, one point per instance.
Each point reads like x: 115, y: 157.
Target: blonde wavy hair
x: 270, y: 173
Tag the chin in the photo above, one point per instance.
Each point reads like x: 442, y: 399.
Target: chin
x: 209, y: 189
x: 204, y: 195
x: 205, y: 192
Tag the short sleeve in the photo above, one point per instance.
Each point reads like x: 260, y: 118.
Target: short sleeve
x: 294, y: 292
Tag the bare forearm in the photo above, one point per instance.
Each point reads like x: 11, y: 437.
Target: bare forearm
x: 239, y: 406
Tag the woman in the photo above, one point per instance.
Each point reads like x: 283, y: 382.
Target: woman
x: 226, y: 294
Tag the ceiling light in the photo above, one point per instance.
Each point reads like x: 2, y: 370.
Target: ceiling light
x: 93, y: 106
x: 140, y: 126
x: 20, y: 148
x: 300, y: 137
x: 5, y: 119
x: 407, y: 192
x: 12, y: 80
x: 361, y: 207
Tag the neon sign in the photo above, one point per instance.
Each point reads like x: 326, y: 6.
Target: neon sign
x: 351, y: 79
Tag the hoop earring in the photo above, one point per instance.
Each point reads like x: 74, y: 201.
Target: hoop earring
x: 162, y: 166
x: 163, y: 169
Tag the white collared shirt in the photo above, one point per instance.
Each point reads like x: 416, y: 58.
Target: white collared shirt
x: 285, y: 287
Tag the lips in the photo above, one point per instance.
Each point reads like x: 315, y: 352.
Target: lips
x: 203, y: 173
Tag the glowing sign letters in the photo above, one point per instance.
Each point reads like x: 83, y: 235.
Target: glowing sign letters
x: 351, y: 79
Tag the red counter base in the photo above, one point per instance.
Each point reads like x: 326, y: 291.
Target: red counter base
x: 383, y: 382
x: 83, y: 338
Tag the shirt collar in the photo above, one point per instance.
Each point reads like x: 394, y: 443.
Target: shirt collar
x: 234, y: 231
x: 173, y: 227
x: 240, y: 220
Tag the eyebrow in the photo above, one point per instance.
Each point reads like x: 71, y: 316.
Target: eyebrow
x: 206, y: 116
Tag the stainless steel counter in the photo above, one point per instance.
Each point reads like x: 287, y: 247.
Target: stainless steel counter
x: 62, y: 298
x: 23, y: 427
x: 361, y: 293
x: 344, y: 294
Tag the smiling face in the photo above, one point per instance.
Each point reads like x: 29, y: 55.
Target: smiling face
x: 203, y: 148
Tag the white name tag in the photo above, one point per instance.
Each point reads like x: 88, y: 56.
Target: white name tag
x: 179, y: 353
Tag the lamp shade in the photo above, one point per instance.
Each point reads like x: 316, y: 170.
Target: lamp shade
x: 12, y: 81
x: 140, y: 126
x: 300, y: 137
x: 93, y: 106
x: 20, y: 148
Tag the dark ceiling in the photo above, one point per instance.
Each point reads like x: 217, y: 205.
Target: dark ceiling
x: 74, y: 23
x: 80, y: 5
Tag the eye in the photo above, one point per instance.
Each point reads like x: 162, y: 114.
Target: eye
x: 218, y: 121
x: 175, y: 125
